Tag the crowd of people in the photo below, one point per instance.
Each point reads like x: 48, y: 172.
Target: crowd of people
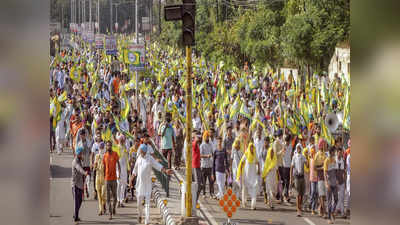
x: 255, y: 130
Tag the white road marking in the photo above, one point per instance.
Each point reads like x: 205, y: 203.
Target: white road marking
x: 308, y: 221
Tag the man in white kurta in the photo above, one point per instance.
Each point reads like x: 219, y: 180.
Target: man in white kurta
x: 122, y: 182
x: 61, y: 131
x: 142, y: 170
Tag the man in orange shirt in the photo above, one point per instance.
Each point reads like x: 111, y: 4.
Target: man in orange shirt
x: 110, y: 160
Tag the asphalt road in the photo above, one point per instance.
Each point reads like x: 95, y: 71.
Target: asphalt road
x: 281, y: 215
x: 61, y: 204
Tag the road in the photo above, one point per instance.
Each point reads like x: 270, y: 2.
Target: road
x: 281, y: 215
x: 61, y: 204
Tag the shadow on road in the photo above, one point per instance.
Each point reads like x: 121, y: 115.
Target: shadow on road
x: 251, y: 221
x: 60, y: 172
x: 108, y: 222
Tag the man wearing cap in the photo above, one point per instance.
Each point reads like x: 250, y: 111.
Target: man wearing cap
x: 77, y: 182
x: 142, y: 170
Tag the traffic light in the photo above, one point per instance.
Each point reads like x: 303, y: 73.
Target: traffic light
x: 185, y: 12
x: 188, y: 21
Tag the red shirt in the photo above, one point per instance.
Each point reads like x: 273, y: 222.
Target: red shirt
x: 195, y: 155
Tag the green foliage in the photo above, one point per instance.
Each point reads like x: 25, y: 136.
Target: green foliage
x: 299, y: 32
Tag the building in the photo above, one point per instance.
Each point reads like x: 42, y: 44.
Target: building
x: 340, y: 62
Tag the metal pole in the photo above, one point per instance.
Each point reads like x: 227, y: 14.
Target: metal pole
x: 111, y: 22
x: 137, y: 42
x: 98, y: 16
x: 90, y: 14
x: 159, y: 16
x: 189, y: 132
x: 84, y: 11
x: 116, y: 16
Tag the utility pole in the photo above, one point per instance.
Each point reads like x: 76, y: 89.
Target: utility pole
x: 137, y: 42
x: 98, y: 16
x: 186, y: 12
x: 159, y: 16
x: 90, y: 14
x: 111, y: 22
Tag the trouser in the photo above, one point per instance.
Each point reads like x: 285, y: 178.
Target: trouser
x: 307, y: 187
x: 121, y: 186
x: 77, y: 197
x: 264, y: 189
x: 86, y: 180
x: 244, y: 197
x: 270, y: 190
x: 101, y: 194
x: 207, y: 172
x: 178, y: 151
x: 94, y: 182
x: 147, y: 207
x: 340, y: 204
x: 197, y: 176
x: 220, y: 177
x: 111, y: 193
x: 167, y: 153
x: 52, y: 140
x: 284, y: 174
x: 60, y: 144
x: 314, y: 195
x: 332, y: 197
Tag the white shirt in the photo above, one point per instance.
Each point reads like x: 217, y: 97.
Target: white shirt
x: 259, y: 144
x: 142, y: 169
x: 196, y: 123
x: 286, y: 160
x: 298, y: 162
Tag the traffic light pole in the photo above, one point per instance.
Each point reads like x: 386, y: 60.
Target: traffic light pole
x: 189, y: 132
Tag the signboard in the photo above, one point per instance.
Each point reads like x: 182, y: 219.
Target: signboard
x: 136, y: 56
x: 99, y: 40
x: 111, y: 45
x: 90, y: 36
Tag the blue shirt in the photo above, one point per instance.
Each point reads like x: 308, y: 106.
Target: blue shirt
x: 167, y: 135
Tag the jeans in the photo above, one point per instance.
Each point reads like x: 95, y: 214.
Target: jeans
x: 111, y: 186
x: 332, y: 198
x: 167, y: 153
x: 77, y: 195
x: 207, y: 172
x: 314, y: 195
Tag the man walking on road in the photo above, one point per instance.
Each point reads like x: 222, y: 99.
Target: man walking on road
x: 110, y: 160
x: 167, y: 138
x: 77, y: 182
x: 297, y: 171
x: 142, y: 170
